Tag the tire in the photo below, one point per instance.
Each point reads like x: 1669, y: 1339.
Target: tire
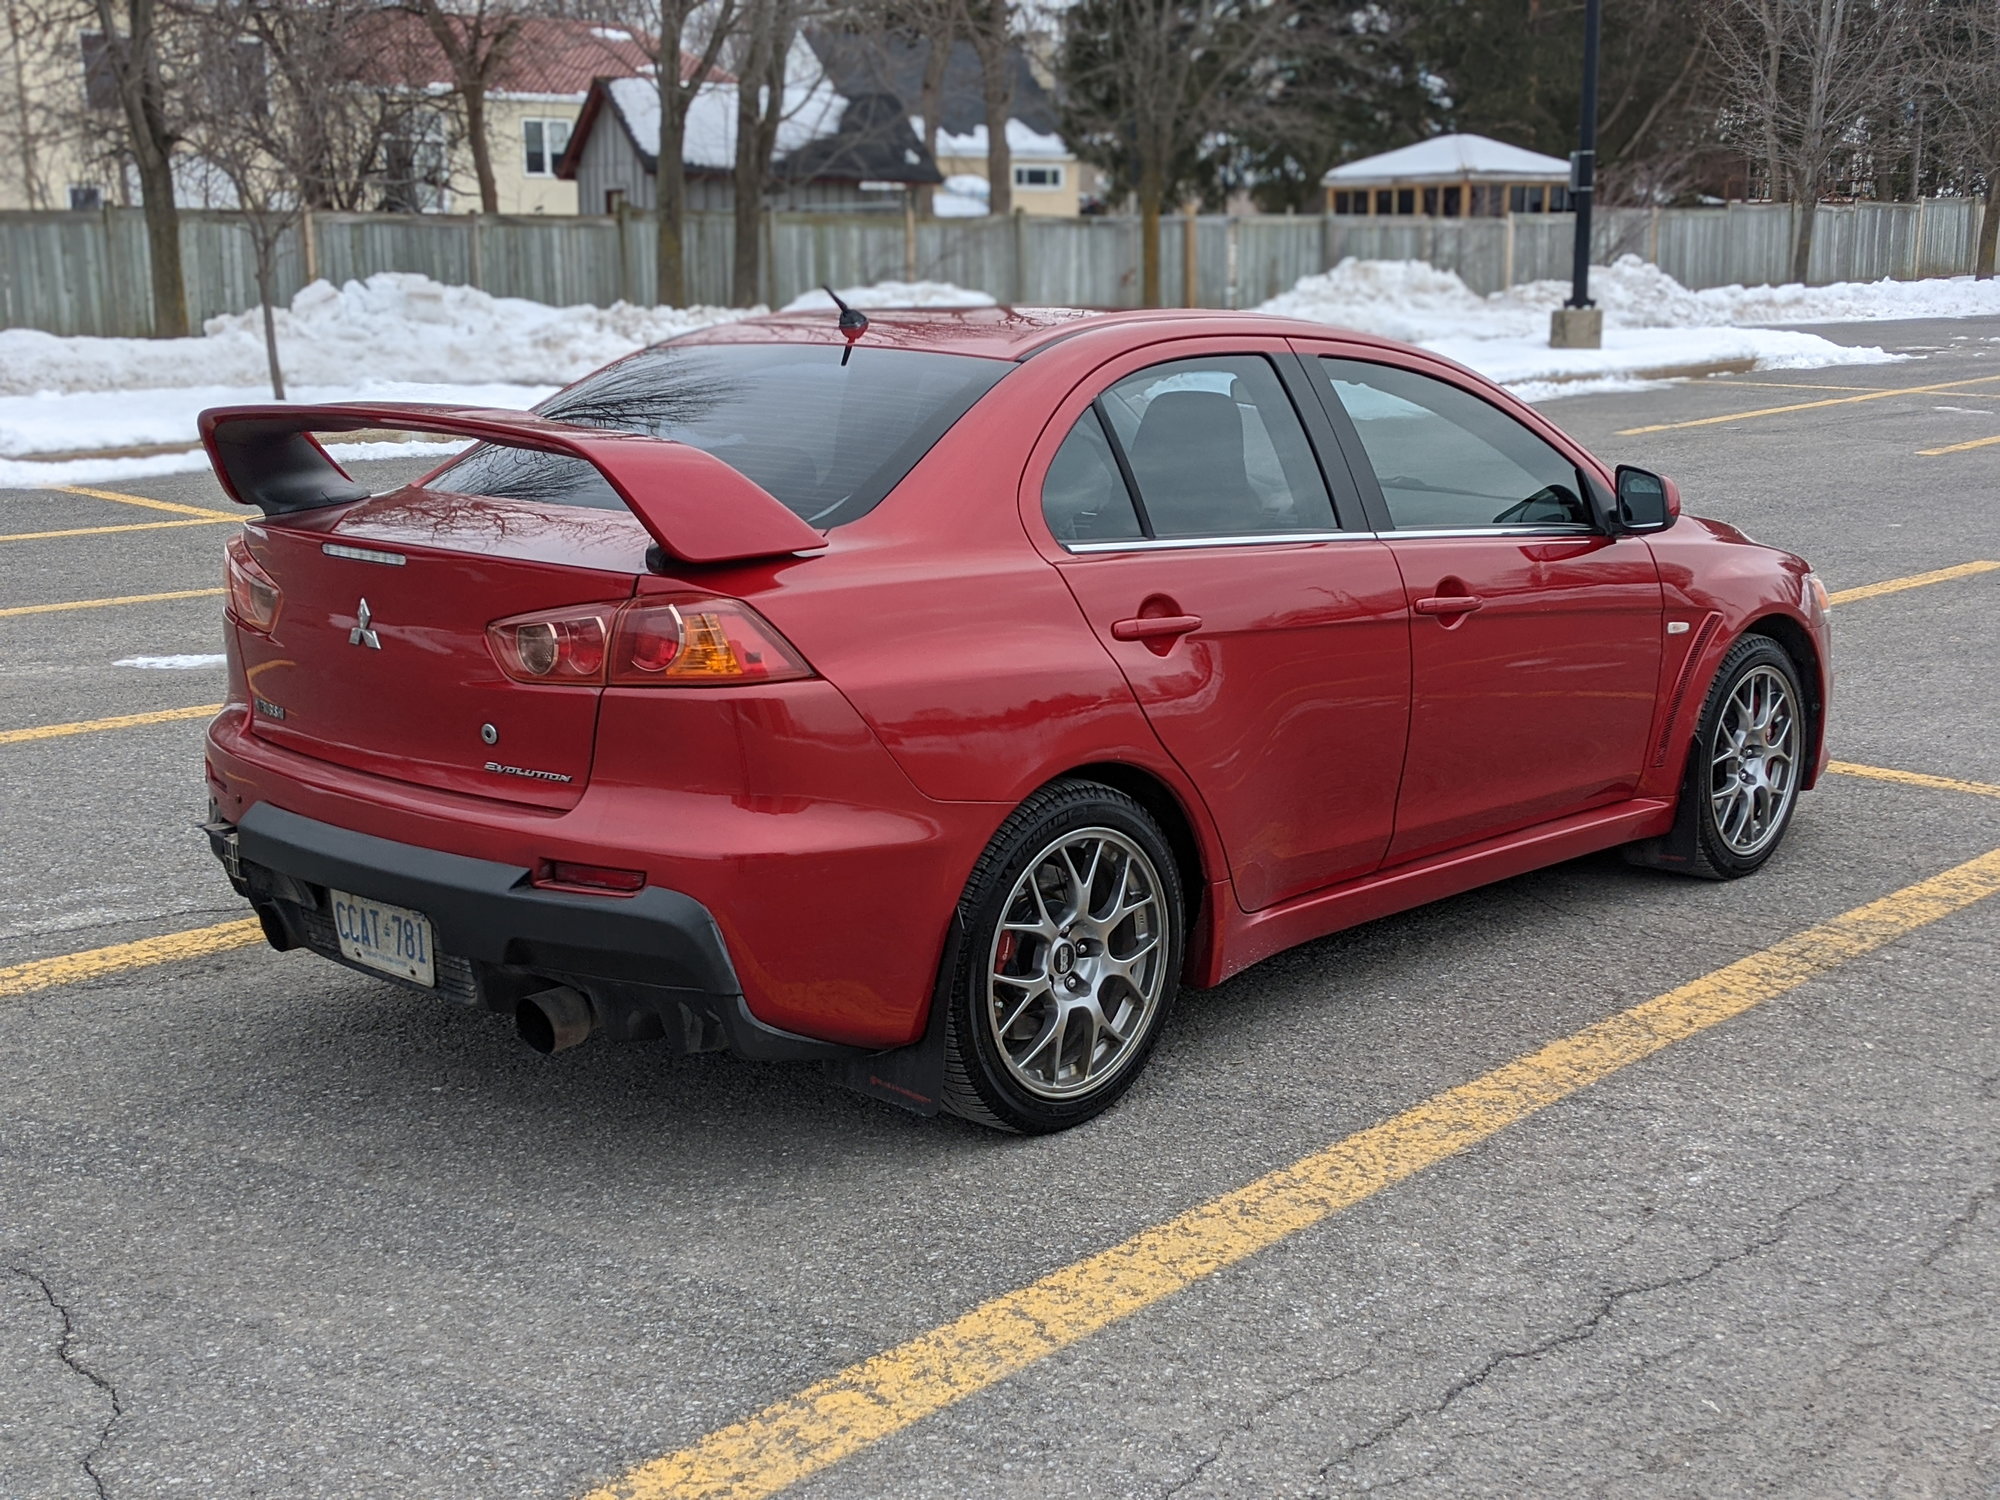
x: 1742, y: 804
x: 1055, y: 1002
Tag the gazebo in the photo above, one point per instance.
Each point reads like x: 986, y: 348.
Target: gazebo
x: 1451, y: 177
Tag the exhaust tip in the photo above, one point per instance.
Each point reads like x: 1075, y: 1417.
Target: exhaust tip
x: 553, y: 1020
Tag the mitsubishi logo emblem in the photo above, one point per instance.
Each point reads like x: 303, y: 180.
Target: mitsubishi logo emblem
x: 362, y: 634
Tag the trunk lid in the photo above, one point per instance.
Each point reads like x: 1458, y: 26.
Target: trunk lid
x: 412, y: 691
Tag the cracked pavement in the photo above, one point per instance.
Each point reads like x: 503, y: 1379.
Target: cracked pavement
x: 273, y: 1229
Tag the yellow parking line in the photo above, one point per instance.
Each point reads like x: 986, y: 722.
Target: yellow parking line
x: 50, y: 609
x: 879, y: 1397
x: 1985, y: 442
x: 1914, y: 581
x: 39, y: 536
x: 1793, y: 385
x: 69, y: 968
x: 1914, y: 778
x: 1774, y: 411
x: 147, y: 501
x: 121, y: 721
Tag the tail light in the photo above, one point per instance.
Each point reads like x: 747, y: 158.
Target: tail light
x: 690, y: 640
x: 563, y: 645
x: 254, y: 595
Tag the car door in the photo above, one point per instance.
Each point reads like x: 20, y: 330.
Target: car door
x: 1535, y: 637
x: 1268, y: 644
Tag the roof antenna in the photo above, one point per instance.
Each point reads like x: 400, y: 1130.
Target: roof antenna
x: 853, y: 323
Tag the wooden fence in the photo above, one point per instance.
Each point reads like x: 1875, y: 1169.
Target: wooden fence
x: 87, y: 272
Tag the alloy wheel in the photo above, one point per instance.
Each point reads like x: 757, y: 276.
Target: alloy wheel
x: 1753, y: 770
x: 1078, y: 963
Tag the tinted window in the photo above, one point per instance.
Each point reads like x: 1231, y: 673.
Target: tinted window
x: 1084, y: 497
x: 829, y: 440
x: 1447, y: 460
x: 1217, y: 450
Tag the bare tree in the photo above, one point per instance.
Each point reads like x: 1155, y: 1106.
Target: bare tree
x: 686, y: 39
x: 476, y: 39
x: 989, y: 26
x: 1147, y: 84
x: 1808, y: 74
x: 134, y: 59
x: 768, y: 30
x: 1963, y: 47
x: 238, y: 147
x: 339, y: 117
x: 936, y: 22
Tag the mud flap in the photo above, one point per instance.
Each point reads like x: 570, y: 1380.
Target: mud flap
x: 910, y: 1077
x: 1676, y: 848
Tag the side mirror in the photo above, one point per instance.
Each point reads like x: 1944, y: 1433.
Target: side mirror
x: 1646, y: 501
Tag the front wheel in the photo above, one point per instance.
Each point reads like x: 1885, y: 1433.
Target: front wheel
x: 1749, y: 757
x: 1070, y: 961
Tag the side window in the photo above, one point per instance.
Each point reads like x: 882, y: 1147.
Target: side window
x: 1446, y: 460
x: 1216, y: 449
x: 1084, y: 497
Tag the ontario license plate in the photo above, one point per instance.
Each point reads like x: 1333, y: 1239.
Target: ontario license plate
x: 393, y: 939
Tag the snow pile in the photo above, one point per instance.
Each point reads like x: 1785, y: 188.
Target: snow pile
x: 395, y: 326
x: 1410, y: 300
x: 1653, y: 325
x: 893, y: 294
x: 84, y: 421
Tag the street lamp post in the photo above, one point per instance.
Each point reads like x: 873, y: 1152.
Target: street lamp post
x: 1579, y: 323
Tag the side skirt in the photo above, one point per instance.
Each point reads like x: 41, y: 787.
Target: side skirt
x: 1248, y: 939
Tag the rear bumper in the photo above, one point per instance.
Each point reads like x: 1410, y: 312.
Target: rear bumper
x: 653, y: 964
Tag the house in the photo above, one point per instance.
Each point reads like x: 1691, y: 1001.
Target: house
x: 1048, y: 179
x: 532, y: 106
x: 45, y: 74
x: 835, y: 152
x: 1450, y: 176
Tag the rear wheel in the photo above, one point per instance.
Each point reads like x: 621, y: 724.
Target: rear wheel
x: 1070, y: 962
x: 1749, y: 756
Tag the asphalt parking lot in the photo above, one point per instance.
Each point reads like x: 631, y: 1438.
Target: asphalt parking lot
x: 270, y: 1228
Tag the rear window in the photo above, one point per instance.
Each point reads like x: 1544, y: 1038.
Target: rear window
x: 829, y: 440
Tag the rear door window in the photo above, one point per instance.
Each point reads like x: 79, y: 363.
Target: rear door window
x: 1217, y: 450
x: 828, y: 439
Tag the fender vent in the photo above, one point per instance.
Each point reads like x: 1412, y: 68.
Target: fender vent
x: 1688, y: 664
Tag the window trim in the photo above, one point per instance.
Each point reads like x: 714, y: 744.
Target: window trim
x: 1235, y: 539
x: 1040, y: 187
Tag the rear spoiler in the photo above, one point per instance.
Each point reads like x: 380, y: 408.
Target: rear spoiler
x: 697, y: 507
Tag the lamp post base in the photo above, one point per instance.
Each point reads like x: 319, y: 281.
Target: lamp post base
x: 1576, y: 328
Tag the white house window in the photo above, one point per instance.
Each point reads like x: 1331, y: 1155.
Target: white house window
x: 545, y: 141
x: 1038, y: 176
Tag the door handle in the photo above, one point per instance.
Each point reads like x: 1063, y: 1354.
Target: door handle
x: 1450, y: 604
x: 1154, y: 627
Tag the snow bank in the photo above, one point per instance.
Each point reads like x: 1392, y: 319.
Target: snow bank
x: 395, y: 326
x: 1653, y: 324
x: 1410, y: 300
x: 893, y: 294
x: 80, y: 421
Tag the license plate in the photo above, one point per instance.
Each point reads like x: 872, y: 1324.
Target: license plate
x: 393, y: 939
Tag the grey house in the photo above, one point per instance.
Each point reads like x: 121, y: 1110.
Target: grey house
x: 835, y: 152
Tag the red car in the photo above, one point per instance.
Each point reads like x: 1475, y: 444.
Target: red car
x: 934, y: 698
